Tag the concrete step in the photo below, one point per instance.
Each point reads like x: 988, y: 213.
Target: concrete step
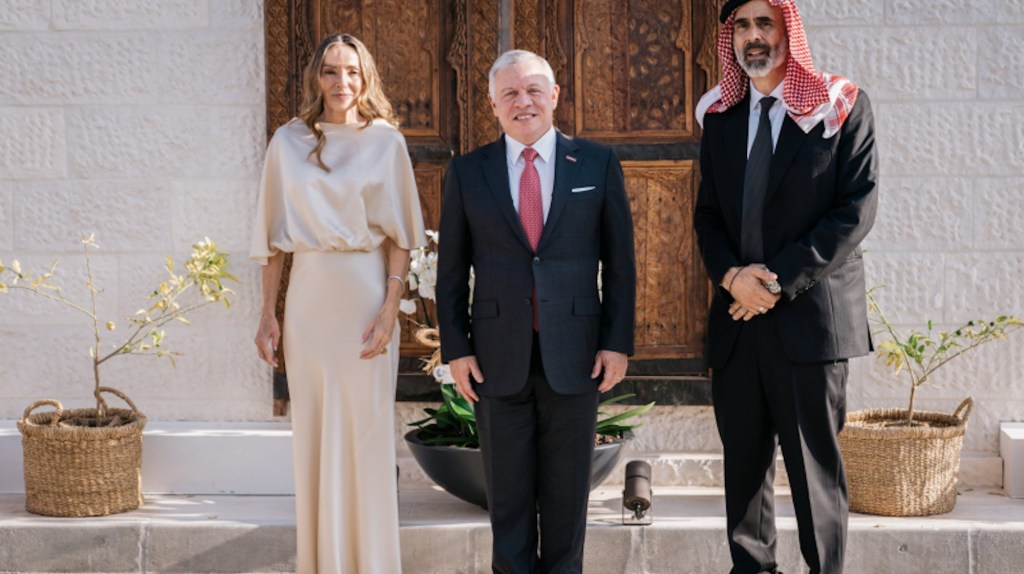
x: 681, y: 469
x: 442, y: 535
x: 187, y: 457
x: 670, y: 469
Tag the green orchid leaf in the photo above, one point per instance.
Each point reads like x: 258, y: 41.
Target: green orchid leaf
x: 616, y: 399
x: 628, y: 414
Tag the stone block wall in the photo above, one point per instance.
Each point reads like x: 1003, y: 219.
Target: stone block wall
x: 947, y: 86
x: 142, y: 122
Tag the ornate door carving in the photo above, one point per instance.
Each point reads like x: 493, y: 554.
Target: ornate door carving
x: 630, y: 72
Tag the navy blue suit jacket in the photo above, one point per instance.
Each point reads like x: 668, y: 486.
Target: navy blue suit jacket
x: 480, y: 229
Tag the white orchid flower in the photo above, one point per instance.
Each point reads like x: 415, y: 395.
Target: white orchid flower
x: 407, y: 306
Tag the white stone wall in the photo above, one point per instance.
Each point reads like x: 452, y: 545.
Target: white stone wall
x: 947, y: 84
x: 142, y: 121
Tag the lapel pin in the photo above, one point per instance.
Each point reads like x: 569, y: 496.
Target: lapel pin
x: 570, y: 158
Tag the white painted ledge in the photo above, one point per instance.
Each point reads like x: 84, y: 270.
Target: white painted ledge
x: 1011, y: 448
x: 191, y: 458
x: 255, y: 459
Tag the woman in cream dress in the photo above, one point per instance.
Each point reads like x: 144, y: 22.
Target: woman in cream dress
x: 338, y: 192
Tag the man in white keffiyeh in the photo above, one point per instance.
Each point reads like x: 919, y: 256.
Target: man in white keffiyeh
x: 788, y: 192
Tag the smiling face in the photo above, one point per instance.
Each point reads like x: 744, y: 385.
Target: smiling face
x: 759, y: 39
x: 341, y: 82
x: 524, y: 99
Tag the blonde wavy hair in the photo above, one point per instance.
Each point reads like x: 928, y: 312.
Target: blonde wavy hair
x: 371, y: 101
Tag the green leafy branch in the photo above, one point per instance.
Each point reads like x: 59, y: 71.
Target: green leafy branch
x: 921, y: 353
x: 205, y: 273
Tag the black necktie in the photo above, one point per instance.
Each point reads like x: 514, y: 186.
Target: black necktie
x: 755, y: 185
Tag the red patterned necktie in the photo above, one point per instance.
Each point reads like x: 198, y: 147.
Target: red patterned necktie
x: 531, y: 211
x: 531, y: 206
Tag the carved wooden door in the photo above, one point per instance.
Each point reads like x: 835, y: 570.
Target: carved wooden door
x: 630, y: 72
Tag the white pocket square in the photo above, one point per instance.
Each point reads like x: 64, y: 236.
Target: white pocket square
x: 585, y: 188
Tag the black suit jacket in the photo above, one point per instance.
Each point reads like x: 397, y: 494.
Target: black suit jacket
x: 820, y: 204
x: 480, y: 229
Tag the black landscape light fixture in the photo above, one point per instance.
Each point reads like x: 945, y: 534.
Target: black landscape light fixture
x: 636, y: 496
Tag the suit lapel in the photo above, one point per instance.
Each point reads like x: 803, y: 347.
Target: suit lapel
x: 495, y: 169
x: 790, y: 139
x: 565, y: 176
x: 736, y: 127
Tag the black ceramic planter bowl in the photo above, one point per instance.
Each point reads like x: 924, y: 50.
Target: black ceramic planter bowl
x: 460, y: 471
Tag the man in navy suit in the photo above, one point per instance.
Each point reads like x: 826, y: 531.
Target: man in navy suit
x: 788, y: 193
x: 533, y: 214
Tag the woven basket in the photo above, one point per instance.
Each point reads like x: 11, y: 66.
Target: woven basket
x: 82, y: 471
x: 903, y: 471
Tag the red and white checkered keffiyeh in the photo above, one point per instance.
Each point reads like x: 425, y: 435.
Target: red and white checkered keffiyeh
x: 810, y: 97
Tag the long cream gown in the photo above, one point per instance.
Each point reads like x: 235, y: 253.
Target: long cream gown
x: 342, y: 406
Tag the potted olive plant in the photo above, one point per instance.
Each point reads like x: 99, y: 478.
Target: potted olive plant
x: 445, y: 443
x: 904, y: 462
x: 87, y: 462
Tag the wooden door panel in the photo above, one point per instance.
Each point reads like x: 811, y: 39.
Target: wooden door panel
x: 289, y: 42
x: 633, y: 80
x: 671, y: 288
x: 634, y: 70
x: 473, y: 50
x: 539, y: 26
x: 428, y: 180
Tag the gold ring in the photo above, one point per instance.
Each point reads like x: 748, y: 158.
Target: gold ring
x: 383, y: 350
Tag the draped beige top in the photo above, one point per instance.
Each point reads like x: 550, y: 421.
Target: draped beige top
x: 369, y: 195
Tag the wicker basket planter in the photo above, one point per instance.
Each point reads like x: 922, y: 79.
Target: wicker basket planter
x: 903, y: 471
x: 73, y: 470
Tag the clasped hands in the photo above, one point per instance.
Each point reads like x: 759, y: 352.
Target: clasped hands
x: 611, y: 363
x: 747, y: 287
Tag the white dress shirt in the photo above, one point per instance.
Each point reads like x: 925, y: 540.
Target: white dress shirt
x: 775, y: 116
x: 544, y: 162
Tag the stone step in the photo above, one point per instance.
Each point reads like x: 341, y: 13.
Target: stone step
x: 187, y: 457
x: 442, y: 535
x: 682, y: 469
x: 669, y: 469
